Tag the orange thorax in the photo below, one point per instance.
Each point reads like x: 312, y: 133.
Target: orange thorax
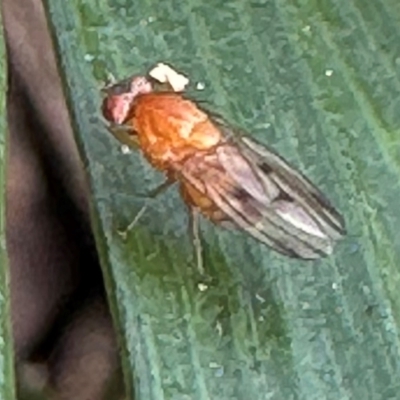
x: 171, y: 128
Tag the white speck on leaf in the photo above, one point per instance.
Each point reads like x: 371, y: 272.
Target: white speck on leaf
x: 200, y: 86
x: 366, y: 290
x: 89, y: 57
x: 202, y: 287
x: 219, y: 369
x: 259, y: 298
x: 218, y: 328
x: 125, y: 149
x: 213, y: 365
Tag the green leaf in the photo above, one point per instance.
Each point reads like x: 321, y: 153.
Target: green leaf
x: 318, y: 82
x: 7, y: 384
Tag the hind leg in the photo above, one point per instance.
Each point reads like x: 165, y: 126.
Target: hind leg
x: 196, y: 239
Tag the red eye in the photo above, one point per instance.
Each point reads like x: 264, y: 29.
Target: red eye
x: 116, y: 108
x: 117, y: 105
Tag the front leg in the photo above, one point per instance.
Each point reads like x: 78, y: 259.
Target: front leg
x: 149, y: 197
x: 125, y: 134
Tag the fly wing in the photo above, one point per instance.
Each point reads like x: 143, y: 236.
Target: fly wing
x: 262, y: 194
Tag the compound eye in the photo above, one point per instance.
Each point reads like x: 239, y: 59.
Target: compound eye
x: 116, y: 108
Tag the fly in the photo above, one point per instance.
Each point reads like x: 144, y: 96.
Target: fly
x: 228, y: 177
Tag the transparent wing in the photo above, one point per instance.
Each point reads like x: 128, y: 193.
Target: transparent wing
x: 263, y: 195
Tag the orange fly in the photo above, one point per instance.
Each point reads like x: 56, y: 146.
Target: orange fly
x: 226, y: 176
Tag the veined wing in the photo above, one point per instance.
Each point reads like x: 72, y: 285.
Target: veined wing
x: 263, y: 195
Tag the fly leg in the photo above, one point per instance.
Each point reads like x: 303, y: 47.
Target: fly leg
x: 196, y: 239
x: 125, y: 134
x: 149, y: 197
x: 111, y: 80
